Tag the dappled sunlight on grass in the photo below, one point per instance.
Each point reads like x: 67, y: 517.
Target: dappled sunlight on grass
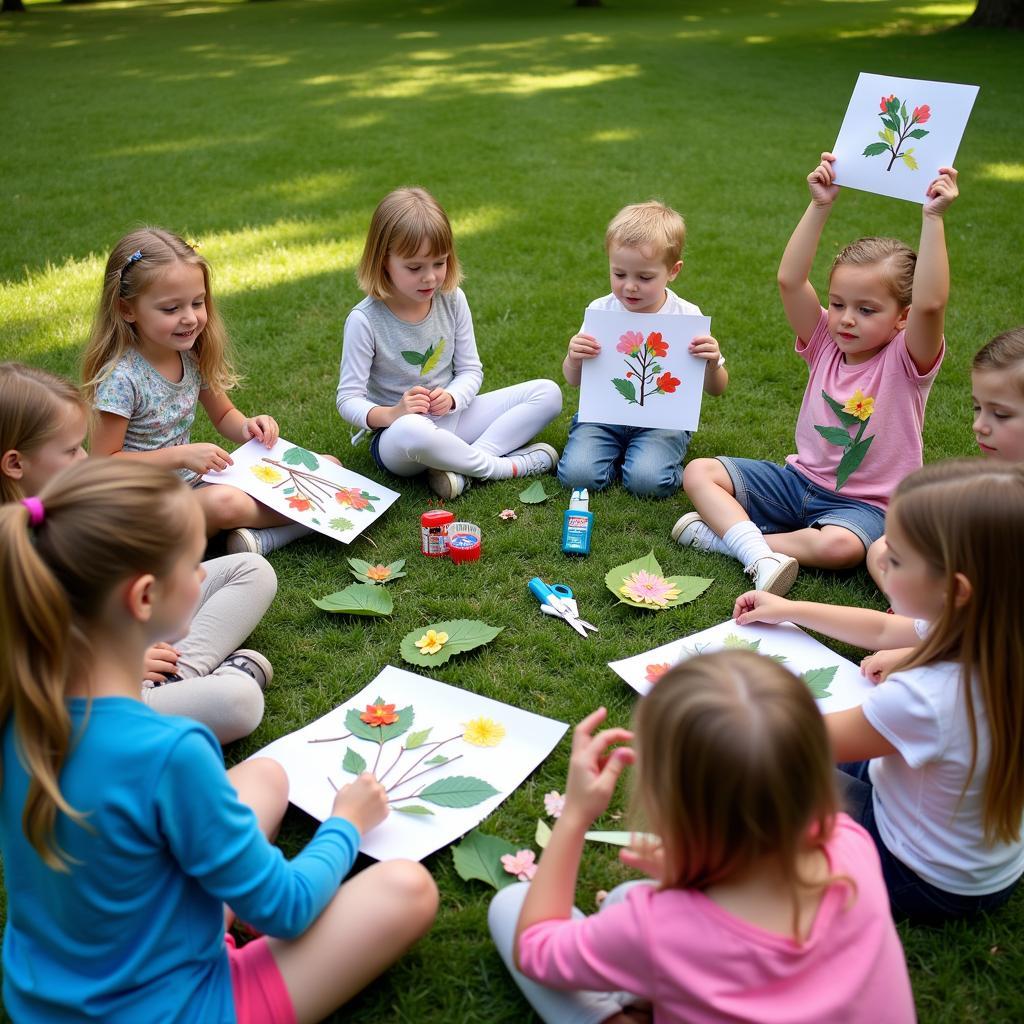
x: 417, y: 35
x: 614, y: 135
x: 483, y: 218
x: 1001, y: 172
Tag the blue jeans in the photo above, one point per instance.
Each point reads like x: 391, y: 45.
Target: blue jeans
x: 910, y: 896
x: 650, y: 460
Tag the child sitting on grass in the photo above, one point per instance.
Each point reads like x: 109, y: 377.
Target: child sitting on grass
x: 644, y: 243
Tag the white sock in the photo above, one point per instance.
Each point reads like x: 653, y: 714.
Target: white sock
x: 705, y: 539
x: 746, y: 543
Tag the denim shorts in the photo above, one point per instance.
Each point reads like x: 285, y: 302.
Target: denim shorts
x: 780, y: 499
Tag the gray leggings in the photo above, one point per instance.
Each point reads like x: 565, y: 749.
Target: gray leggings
x: 237, y: 591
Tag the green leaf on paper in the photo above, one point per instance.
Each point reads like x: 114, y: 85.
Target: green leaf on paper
x: 415, y: 358
x: 340, y: 524
x: 891, y: 122
x: 818, y: 680
x: 917, y: 133
x: 846, y: 418
x: 463, y: 635
x: 417, y: 739
x: 288, y: 490
x: 903, y: 111
x: 534, y: 494
x: 909, y: 160
x: 543, y: 834
x: 358, y: 599
x: 378, y: 733
x: 457, y: 791
x: 432, y: 357
x: 875, y: 148
x: 479, y: 856
x: 625, y: 388
x: 834, y: 435
x: 361, y: 568
x: 300, y: 457
x: 412, y: 809
x: 353, y: 762
x: 437, y: 759
x: 689, y: 587
x: 737, y: 643
x: 852, y: 458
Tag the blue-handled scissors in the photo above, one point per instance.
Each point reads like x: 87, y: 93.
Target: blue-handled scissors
x: 557, y: 599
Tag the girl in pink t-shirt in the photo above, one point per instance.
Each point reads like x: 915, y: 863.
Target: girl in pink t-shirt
x: 872, y: 356
x: 769, y: 905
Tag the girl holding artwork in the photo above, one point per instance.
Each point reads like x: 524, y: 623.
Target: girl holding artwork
x: 158, y: 346
x: 933, y: 761
x: 768, y: 904
x: 410, y: 371
x: 209, y: 676
x: 122, y: 836
x: 872, y: 355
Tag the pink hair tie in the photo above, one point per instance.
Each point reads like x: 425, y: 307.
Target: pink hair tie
x: 36, y: 514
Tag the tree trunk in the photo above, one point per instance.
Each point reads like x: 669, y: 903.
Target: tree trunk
x: 12, y: 5
x: 998, y: 14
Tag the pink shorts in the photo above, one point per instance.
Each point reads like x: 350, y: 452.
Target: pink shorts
x: 259, y: 990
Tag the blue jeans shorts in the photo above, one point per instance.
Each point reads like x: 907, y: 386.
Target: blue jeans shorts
x: 780, y: 499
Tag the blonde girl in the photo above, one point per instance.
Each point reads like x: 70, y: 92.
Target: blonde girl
x: 410, y: 372
x: 872, y: 356
x: 158, y: 346
x: 767, y: 903
x: 122, y: 836
x: 218, y: 682
x: 933, y: 761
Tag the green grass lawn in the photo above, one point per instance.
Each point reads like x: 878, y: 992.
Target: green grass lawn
x: 270, y: 130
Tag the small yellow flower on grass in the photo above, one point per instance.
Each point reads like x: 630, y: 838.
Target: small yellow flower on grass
x: 431, y: 641
x: 267, y: 474
x: 483, y: 732
x: 861, y: 405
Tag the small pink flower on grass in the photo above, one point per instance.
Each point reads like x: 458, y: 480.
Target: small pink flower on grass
x: 554, y: 803
x: 507, y: 513
x: 521, y: 864
x: 648, y: 588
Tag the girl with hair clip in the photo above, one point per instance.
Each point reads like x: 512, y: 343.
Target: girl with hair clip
x: 43, y: 420
x: 932, y: 762
x: 158, y: 346
x: 410, y: 371
x: 122, y: 836
x: 768, y: 904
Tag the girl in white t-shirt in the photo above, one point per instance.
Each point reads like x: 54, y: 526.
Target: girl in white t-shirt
x: 934, y: 756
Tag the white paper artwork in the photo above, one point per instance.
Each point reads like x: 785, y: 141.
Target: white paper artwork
x: 643, y: 376
x: 835, y: 682
x: 898, y: 132
x: 307, y: 488
x: 447, y: 758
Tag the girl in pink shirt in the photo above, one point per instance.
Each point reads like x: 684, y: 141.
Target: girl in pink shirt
x: 768, y: 905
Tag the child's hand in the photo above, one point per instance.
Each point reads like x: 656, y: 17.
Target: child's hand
x: 593, y: 771
x: 941, y: 192
x: 204, y: 458
x: 705, y: 347
x: 441, y: 402
x: 648, y: 858
x: 875, y: 667
x: 159, y: 662
x: 363, y: 802
x: 819, y: 181
x: 583, y: 346
x: 415, y: 400
x: 760, y: 606
x: 263, y: 428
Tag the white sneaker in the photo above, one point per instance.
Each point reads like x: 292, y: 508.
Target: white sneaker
x: 687, y: 528
x: 534, y: 459
x: 445, y: 484
x: 774, y: 574
x: 263, y: 541
x: 252, y: 663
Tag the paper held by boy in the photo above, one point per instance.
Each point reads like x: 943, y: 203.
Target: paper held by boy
x: 644, y: 375
x: 307, y: 488
x: 836, y: 683
x: 447, y: 758
x: 898, y: 132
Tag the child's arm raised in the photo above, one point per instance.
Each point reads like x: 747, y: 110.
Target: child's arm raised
x: 581, y: 346
x: 931, y: 275
x: 233, y: 424
x: 108, y: 439
x: 799, y: 299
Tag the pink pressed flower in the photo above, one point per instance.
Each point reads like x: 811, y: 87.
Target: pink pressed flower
x: 507, y: 513
x: 649, y: 588
x: 630, y: 342
x: 922, y: 114
x: 554, y: 803
x: 656, y: 671
x: 521, y: 864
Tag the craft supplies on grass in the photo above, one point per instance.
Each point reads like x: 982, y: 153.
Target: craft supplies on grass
x: 434, y: 532
x: 557, y: 600
x: 577, y: 524
x: 465, y: 542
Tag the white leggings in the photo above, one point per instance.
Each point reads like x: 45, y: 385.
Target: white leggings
x: 472, y: 441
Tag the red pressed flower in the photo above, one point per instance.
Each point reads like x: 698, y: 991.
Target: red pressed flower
x: 656, y: 345
x: 656, y: 671
x: 299, y: 504
x: 667, y: 383
x: 629, y: 373
x: 379, y: 714
x: 886, y: 100
x: 922, y: 114
x: 351, y: 497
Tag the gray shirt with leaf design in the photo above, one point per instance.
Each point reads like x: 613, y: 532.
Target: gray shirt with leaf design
x: 383, y: 357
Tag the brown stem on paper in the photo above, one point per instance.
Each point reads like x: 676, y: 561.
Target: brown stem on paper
x: 380, y: 747
x: 381, y: 778
x: 432, y: 768
x: 411, y: 796
x: 333, y: 786
x: 331, y: 739
x: 434, y: 747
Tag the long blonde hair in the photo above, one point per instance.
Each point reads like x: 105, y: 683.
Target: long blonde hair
x: 733, y: 765
x: 126, y: 277
x: 33, y: 403
x: 965, y: 516
x: 56, y: 577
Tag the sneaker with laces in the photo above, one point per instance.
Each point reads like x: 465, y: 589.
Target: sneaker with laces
x: 687, y: 529
x: 263, y: 541
x: 252, y: 663
x: 446, y: 484
x: 533, y: 460
x: 774, y: 574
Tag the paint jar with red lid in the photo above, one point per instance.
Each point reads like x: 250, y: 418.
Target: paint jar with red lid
x: 464, y: 542
x: 434, y: 532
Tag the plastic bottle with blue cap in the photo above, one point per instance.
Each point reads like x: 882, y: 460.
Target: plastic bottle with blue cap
x: 577, y: 524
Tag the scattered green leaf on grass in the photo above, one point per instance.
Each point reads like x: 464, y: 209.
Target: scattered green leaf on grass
x: 463, y: 635
x: 534, y: 494
x: 367, y: 572
x: 358, y: 599
x: 543, y: 834
x: 479, y: 856
x: 689, y: 587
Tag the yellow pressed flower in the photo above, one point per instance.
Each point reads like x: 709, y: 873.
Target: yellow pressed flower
x: 267, y: 474
x: 431, y: 641
x: 861, y: 405
x: 484, y: 732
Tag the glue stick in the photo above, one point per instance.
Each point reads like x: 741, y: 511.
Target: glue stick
x: 577, y: 524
